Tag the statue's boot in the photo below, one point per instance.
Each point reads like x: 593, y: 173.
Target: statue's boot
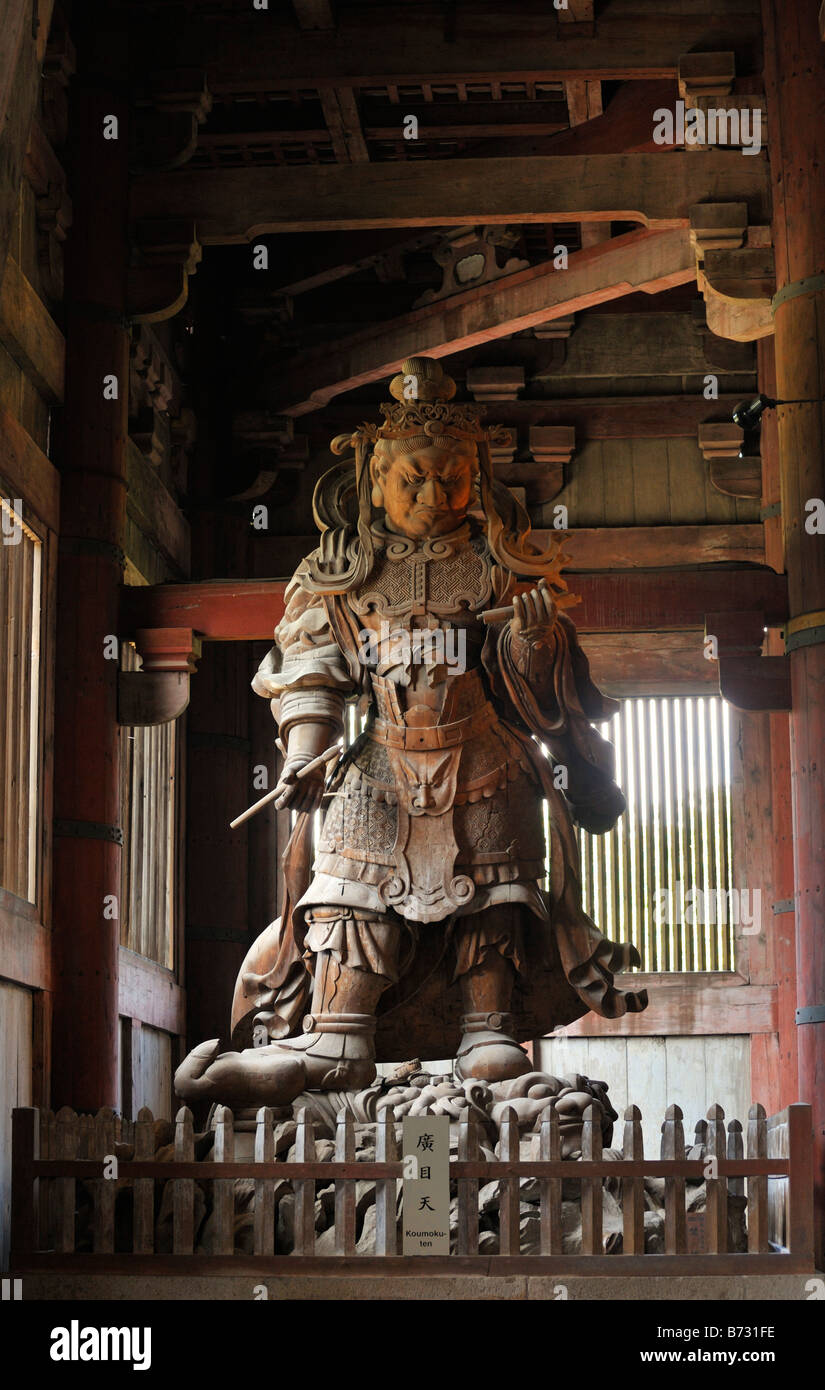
x: 335, y: 1053
x: 487, y: 1051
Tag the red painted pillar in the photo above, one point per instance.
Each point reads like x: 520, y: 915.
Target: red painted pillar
x: 795, y: 87
x: 92, y: 456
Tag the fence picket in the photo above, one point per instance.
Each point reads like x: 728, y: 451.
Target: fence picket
x: 263, y: 1236
x: 716, y: 1200
x: 467, y: 1235
x: 509, y: 1184
x: 550, y: 1189
x: 143, y: 1200
x: 633, y: 1189
x: 345, y: 1187
x: 757, y: 1186
x: 183, y: 1201
x: 673, y: 1146
x: 105, y: 1189
x: 386, y: 1151
x: 223, y: 1195
x: 45, y: 1186
x: 66, y: 1136
x: 736, y: 1185
x: 304, y: 1188
x: 592, y: 1187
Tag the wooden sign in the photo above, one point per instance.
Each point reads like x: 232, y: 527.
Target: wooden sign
x: 426, y: 1185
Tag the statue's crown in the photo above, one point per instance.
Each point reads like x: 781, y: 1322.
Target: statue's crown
x: 424, y: 401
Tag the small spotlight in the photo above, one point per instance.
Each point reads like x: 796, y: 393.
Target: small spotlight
x: 748, y: 414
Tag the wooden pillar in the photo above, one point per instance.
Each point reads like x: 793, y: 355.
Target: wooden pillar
x: 795, y: 88
x: 92, y: 456
x: 774, y: 1068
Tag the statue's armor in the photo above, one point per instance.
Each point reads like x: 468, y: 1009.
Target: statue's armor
x: 437, y: 810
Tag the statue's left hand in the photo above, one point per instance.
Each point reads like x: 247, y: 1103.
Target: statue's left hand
x: 534, y: 614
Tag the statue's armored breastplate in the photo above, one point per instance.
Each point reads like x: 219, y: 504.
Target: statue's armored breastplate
x: 438, y: 579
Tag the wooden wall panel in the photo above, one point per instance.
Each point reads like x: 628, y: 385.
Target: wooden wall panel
x: 653, y: 1073
x: 643, y: 482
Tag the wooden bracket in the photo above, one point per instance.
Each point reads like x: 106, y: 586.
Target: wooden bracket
x: 169, y: 253
x: 468, y: 258
x: 158, y: 692
x: 705, y: 74
x: 734, y: 270
x: 748, y: 680
x: 720, y: 442
x: 266, y: 443
x: 551, y: 448
x: 495, y: 383
x: 168, y: 119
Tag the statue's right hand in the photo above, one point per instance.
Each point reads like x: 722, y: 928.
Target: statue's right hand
x: 304, y: 794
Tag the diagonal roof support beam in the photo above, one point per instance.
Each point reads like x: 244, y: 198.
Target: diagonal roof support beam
x: 643, y: 260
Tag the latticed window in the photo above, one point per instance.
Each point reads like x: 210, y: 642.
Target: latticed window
x: 148, y: 784
x: 663, y: 877
x: 21, y: 562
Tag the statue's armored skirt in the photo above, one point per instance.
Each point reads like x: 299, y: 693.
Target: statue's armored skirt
x: 446, y: 829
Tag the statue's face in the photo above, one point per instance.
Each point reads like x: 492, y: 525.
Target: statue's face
x: 426, y: 493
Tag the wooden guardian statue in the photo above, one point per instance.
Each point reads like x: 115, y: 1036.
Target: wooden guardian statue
x: 442, y: 913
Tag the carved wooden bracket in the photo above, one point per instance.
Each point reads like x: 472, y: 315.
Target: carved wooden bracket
x: 720, y: 442
x: 468, y: 258
x: 160, y: 691
x: 556, y: 330
x: 169, y: 253
x: 734, y: 270
x: 705, y: 74
x: 53, y: 205
x: 268, y: 443
x: 168, y: 118
x: 551, y: 447
x: 495, y: 383
x: 154, y: 395
x: 748, y: 680
x: 59, y: 66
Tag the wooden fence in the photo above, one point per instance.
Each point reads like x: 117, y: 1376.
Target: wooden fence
x: 59, y: 1164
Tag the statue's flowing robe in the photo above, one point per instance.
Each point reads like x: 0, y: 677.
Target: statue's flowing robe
x: 429, y: 825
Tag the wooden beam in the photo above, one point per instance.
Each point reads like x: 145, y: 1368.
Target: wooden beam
x: 21, y: 54
x: 25, y: 944
x: 153, y: 510
x: 639, y: 260
x: 26, y: 470
x: 625, y: 128
x: 593, y: 417
x: 248, y: 610
x: 30, y: 334
x: 652, y: 547
x: 149, y: 993
x: 344, y: 125
x: 651, y: 663
x: 233, y: 205
x: 485, y: 43
x: 707, y: 1004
